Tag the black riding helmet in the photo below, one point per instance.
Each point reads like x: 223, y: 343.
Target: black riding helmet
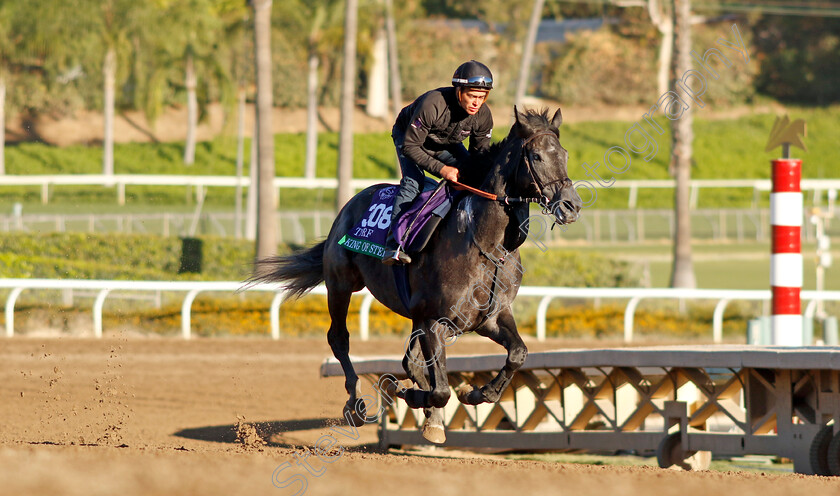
x: 473, y: 74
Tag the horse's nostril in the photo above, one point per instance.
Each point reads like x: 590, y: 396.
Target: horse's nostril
x: 569, y: 205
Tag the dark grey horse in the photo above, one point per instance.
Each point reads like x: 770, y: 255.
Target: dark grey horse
x: 464, y: 281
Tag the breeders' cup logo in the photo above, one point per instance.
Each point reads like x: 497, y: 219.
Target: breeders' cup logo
x: 387, y: 192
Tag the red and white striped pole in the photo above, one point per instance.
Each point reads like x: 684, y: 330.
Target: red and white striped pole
x: 786, y: 257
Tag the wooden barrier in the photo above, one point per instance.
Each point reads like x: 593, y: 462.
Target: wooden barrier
x: 678, y: 402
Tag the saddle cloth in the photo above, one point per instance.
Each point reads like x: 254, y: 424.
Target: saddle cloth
x: 415, y: 226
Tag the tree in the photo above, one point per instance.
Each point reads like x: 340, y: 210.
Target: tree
x: 312, y: 29
x: 266, y: 222
x: 194, y: 31
x: 34, y: 42
x: 682, y: 275
x: 6, y: 49
x: 664, y: 22
x: 393, y: 58
x: 345, y: 146
x: 236, y: 34
x: 312, y: 92
x: 377, y: 75
x: 2, y: 124
x: 528, y: 52
x: 114, y: 24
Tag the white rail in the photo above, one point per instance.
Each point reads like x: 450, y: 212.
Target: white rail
x: 193, y: 288
x: 198, y: 181
x: 202, y: 182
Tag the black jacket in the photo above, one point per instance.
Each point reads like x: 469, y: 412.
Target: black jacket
x: 435, y: 121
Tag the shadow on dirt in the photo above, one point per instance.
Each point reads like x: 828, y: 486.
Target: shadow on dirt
x: 269, y: 432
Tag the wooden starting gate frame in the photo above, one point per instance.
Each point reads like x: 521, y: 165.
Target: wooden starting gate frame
x: 682, y: 403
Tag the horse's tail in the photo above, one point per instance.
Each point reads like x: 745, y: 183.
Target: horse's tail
x: 299, y: 272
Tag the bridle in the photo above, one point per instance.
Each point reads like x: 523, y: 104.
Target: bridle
x: 539, y: 185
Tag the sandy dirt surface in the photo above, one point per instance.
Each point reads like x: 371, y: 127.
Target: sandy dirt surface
x: 158, y: 416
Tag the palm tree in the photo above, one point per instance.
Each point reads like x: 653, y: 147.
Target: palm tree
x: 115, y: 27
x: 2, y: 124
x: 266, y: 223
x: 194, y: 38
x: 111, y: 25
x: 682, y: 275
x: 528, y: 52
x: 6, y: 49
x: 345, y: 145
x: 662, y: 17
x: 312, y: 91
x: 393, y: 58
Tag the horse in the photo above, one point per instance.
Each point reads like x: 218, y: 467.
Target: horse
x: 456, y: 284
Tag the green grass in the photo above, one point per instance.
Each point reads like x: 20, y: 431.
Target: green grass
x: 744, y: 265
x: 723, y: 149
x: 373, y: 155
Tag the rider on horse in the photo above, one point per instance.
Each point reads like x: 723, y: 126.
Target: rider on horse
x: 428, y: 135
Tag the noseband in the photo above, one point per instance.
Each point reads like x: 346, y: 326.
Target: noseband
x: 539, y: 185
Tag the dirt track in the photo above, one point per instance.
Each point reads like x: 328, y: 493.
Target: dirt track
x: 154, y: 416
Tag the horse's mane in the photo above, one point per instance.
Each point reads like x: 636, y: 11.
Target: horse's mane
x: 530, y: 122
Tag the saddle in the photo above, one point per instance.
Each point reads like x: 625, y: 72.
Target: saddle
x: 413, y: 228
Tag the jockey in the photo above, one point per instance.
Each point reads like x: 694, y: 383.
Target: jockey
x: 428, y: 135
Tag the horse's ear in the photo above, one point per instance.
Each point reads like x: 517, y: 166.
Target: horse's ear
x: 518, y: 126
x: 557, y: 119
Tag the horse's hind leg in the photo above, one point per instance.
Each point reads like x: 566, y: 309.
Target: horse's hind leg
x: 504, y: 333
x: 338, y: 301
x: 415, y: 367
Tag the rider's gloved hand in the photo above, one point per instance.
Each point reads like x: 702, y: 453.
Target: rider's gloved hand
x: 449, y: 173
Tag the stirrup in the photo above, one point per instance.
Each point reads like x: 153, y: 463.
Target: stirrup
x: 395, y: 256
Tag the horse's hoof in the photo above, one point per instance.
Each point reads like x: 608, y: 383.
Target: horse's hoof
x: 397, y: 389
x: 355, y: 417
x: 468, y: 394
x: 434, y: 433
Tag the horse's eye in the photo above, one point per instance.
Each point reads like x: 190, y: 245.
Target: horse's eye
x: 537, y: 157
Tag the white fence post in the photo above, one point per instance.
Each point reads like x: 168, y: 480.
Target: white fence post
x: 542, y: 309
x: 186, y: 309
x: 364, y: 317
x: 10, y: 311
x: 629, y: 315
x: 717, y: 320
x: 97, y: 311
x: 274, y: 314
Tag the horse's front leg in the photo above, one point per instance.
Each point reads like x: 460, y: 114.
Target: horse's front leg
x: 415, y: 367
x: 434, y: 361
x: 504, y: 333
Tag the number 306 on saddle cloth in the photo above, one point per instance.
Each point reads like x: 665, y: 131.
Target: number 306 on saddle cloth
x: 369, y: 234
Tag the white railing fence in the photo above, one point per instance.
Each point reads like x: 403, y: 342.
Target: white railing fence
x: 200, y: 183
x: 300, y: 226
x: 191, y: 289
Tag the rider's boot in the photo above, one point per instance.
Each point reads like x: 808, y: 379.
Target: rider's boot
x: 393, y: 252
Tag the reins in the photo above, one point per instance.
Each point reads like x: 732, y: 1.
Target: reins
x: 539, y: 185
